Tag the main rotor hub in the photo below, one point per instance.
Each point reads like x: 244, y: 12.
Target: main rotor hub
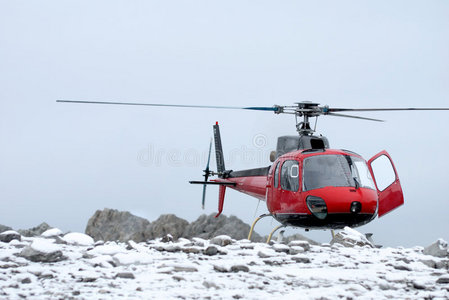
x: 306, y: 110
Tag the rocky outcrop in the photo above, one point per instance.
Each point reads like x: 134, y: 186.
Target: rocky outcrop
x: 35, y: 231
x: 113, y: 225
x: 167, y: 224
x: 4, y: 228
x: 437, y: 249
x: 207, y: 227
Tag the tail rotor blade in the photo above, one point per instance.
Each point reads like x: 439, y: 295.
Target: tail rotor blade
x: 203, y: 201
x: 206, y: 175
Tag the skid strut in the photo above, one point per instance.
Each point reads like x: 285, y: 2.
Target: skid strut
x: 274, y: 230
x: 254, y: 224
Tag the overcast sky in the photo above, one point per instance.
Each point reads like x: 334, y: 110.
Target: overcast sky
x: 61, y: 162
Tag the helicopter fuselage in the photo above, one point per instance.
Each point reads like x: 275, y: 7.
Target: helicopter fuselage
x: 319, y: 189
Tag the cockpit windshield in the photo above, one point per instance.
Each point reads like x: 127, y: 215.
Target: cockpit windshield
x: 335, y: 170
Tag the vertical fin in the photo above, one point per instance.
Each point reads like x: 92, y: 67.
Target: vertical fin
x: 221, y: 196
x: 219, y: 151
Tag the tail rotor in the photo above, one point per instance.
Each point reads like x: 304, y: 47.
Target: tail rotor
x: 206, y: 175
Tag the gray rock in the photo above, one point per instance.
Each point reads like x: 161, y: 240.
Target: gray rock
x: 167, y: 238
x: 301, y: 243
x: 207, y: 227
x: 221, y: 269
x: 350, y: 238
x: 113, y: 225
x: 9, y: 235
x: 239, y: 268
x: 211, y: 250
x: 191, y: 250
x: 443, y: 280
x: 301, y: 259
x: 126, y: 275
x: 429, y: 262
x: 4, y: 228
x: 167, y: 224
x: 221, y: 240
x: 38, y: 256
x: 35, y: 231
x: 210, y: 284
x: 184, y: 269
x: 437, y: 249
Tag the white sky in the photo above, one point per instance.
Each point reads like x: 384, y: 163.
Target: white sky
x: 61, y: 162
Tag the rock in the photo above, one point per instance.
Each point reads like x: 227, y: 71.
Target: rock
x: 184, y: 269
x: 266, y: 253
x: 221, y: 269
x: 296, y: 250
x: 4, y: 228
x: 211, y: 250
x: 300, y: 243
x: 299, y: 237
x: 281, y: 248
x: 437, y: 249
x: 167, y: 238
x: 127, y: 275
x: 430, y: 263
x: 35, y: 231
x: 42, y: 251
x: 26, y: 280
x: 207, y: 227
x: 443, y: 280
x: 419, y: 285
x: 9, y: 235
x: 113, y: 225
x: 191, y: 250
x: 221, y: 240
x: 301, y: 259
x: 210, y: 284
x: 349, y: 237
x: 239, y: 268
x: 167, y: 224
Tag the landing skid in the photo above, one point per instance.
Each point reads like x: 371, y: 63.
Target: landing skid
x: 271, y: 233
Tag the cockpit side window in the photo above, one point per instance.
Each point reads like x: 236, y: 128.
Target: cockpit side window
x: 276, y: 175
x: 290, y: 175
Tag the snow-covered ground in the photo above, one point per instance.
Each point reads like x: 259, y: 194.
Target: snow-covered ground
x: 217, y: 269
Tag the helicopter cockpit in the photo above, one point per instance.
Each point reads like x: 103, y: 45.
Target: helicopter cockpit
x: 337, y: 171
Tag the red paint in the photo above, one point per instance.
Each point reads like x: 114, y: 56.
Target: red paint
x: 338, y: 199
x: 392, y: 197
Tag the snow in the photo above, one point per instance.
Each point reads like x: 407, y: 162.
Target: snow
x: 52, y: 232
x: 44, y: 246
x: 157, y: 270
x: 7, y: 232
x: 76, y: 238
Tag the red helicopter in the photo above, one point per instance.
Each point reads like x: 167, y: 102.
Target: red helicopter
x: 308, y: 185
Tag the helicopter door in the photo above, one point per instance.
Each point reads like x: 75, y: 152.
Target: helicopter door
x: 386, y: 178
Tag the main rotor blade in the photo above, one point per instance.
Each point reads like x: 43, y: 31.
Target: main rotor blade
x: 385, y: 109
x: 354, y: 117
x: 263, y: 108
